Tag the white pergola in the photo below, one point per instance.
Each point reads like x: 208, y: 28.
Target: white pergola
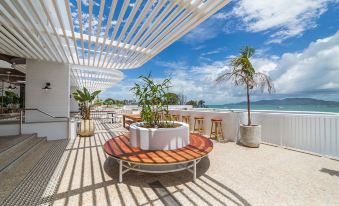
x: 93, y: 78
x: 104, y: 34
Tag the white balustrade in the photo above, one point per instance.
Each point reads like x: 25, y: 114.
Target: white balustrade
x: 311, y: 132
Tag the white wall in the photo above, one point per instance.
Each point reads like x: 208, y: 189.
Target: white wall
x: 55, y: 101
x: 230, y: 121
x: 9, y: 129
x: 74, y: 106
x: 50, y: 130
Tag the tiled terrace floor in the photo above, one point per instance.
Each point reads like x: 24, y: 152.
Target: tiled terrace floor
x: 79, y: 173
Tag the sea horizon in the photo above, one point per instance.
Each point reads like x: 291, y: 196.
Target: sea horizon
x: 303, y: 108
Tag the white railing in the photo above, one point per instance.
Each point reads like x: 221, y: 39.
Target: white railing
x: 316, y: 133
x: 311, y: 132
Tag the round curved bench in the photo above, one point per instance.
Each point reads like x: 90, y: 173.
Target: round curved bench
x: 132, y: 158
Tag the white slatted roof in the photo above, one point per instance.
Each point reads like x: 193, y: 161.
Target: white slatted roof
x: 114, y: 34
x: 94, y: 78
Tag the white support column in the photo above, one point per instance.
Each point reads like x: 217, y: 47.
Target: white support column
x: 55, y: 101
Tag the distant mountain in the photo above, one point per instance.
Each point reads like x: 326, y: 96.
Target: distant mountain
x: 290, y: 101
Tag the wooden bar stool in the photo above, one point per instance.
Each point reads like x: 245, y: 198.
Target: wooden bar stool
x: 161, y: 116
x: 198, y: 125
x: 216, y: 129
x: 175, y: 117
x: 167, y: 117
x: 186, y: 119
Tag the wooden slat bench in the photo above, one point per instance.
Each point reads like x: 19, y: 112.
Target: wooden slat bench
x: 136, y: 159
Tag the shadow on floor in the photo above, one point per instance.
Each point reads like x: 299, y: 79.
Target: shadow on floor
x: 330, y: 172
x: 205, y: 186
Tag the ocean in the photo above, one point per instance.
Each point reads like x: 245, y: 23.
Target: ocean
x: 305, y: 108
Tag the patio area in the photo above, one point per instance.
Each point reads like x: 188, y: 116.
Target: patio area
x: 79, y: 173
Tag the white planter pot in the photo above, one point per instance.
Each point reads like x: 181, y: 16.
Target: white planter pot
x: 159, y: 138
x: 250, y: 136
x: 86, y: 128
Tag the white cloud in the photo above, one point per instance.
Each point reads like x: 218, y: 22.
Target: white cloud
x: 283, y: 18
x: 312, y: 72
x: 314, y: 69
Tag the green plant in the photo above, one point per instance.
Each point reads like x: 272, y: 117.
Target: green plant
x: 243, y: 74
x: 153, y: 99
x: 85, y: 99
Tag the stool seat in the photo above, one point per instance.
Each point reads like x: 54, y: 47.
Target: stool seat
x: 216, y: 119
x: 186, y: 116
x: 198, y: 117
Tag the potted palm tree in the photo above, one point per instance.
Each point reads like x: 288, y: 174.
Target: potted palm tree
x: 155, y: 133
x: 85, y: 99
x: 243, y: 74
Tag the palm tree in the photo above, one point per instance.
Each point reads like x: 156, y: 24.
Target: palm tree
x: 85, y: 98
x: 243, y: 74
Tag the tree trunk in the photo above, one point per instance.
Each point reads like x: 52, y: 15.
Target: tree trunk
x: 248, y: 107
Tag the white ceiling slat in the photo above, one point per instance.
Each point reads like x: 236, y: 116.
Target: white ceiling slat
x: 124, y: 29
x: 46, y: 31
x: 31, y: 20
x: 56, y: 7
x: 70, y: 21
x: 90, y: 11
x: 9, y: 49
x: 101, y: 12
x: 42, y: 2
x: 13, y: 47
x: 122, y: 52
x: 135, y: 30
x: 17, y: 42
x: 34, y: 38
x: 180, y: 31
x: 152, y: 28
x: 116, y: 29
x: 93, y: 78
x: 20, y: 30
x: 18, y: 38
x: 81, y: 31
x: 141, y: 31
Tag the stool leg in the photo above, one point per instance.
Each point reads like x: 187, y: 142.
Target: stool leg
x: 195, y: 121
x: 222, y: 134
x: 217, y: 131
x: 211, y: 130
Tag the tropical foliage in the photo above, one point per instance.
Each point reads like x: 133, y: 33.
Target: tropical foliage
x: 85, y: 99
x: 244, y: 74
x: 199, y: 103
x: 153, y: 100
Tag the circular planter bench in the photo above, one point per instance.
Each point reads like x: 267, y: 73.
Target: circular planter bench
x: 157, y: 161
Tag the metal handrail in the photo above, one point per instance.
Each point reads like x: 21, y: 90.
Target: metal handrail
x: 36, y: 109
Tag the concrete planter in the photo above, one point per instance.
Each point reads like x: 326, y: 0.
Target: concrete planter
x: 159, y: 138
x: 250, y: 136
x: 86, y: 128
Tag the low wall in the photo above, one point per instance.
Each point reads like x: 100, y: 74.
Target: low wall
x: 9, y: 129
x: 51, y: 130
x: 312, y: 132
x: 230, y: 120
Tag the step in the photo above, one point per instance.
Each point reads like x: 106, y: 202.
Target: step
x: 13, y: 175
x: 7, y: 142
x: 11, y: 155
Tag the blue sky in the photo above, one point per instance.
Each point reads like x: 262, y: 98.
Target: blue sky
x: 297, y: 44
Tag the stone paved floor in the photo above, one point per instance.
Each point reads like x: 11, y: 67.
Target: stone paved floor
x: 79, y: 173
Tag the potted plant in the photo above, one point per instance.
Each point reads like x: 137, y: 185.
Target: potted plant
x: 85, y: 99
x: 154, y: 133
x: 243, y: 74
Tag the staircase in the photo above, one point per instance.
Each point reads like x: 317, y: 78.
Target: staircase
x: 18, y: 155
